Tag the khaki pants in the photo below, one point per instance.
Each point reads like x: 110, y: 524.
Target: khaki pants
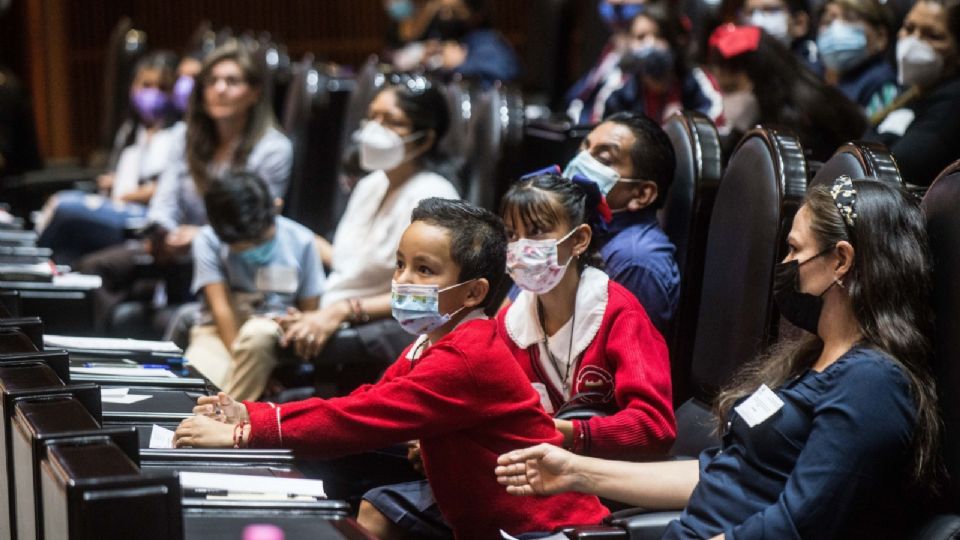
x: 244, y: 375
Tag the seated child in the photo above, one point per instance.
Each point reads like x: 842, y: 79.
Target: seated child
x: 249, y: 263
x: 456, y: 388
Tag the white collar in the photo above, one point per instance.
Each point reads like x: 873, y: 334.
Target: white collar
x: 423, y: 341
x: 523, y: 321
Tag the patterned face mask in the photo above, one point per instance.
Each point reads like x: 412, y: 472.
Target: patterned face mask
x: 533, y: 264
x: 417, y: 307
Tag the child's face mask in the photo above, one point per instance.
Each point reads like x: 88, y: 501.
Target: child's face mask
x: 260, y: 255
x: 417, y: 307
x: 533, y: 264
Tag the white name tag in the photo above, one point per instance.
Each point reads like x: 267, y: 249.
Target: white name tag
x: 760, y: 406
x: 544, y: 397
x: 278, y: 279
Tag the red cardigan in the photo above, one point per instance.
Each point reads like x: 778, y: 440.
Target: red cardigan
x: 628, y: 362
x: 467, y: 401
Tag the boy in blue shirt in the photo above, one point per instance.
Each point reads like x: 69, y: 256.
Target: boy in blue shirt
x: 250, y: 264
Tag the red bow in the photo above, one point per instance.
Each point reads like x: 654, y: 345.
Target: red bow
x: 731, y: 40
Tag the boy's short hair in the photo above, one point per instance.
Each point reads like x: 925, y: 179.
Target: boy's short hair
x: 652, y: 154
x: 240, y: 207
x: 478, y: 239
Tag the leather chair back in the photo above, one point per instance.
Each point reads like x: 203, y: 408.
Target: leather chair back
x: 859, y: 159
x: 763, y: 186
x: 546, y: 58
x: 494, y: 142
x: 124, y: 48
x: 369, y: 79
x: 940, y: 206
x: 685, y: 217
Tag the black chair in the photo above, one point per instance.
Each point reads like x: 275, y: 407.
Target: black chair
x: 685, y: 217
x: 546, y: 58
x: 859, y: 159
x: 125, y: 47
x: 494, y: 145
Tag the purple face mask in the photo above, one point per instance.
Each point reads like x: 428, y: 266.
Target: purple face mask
x: 151, y: 104
x: 181, y: 92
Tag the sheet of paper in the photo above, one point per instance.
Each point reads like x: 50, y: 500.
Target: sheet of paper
x: 110, y: 392
x: 161, y: 437
x: 124, y: 372
x: 241, y: 483
x: 81, y: 281
x: 110, y: 344
x: 125, y: 400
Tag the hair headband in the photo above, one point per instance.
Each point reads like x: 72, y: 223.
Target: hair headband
x: 845, y: 197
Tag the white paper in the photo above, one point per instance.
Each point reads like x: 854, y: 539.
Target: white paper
x: 110, y: 344
x: 759, y: 406
x: 244, y: 483
x: 81, y: 281
x: 124, y: 372
x: 161, y: 437
x: 125, y: 400
x: 110, y: 392
x: 897, y: 122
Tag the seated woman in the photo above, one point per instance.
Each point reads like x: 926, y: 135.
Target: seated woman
x: 853, y: 39
x: 772, y: 88
x: 399, y: 147
x: 75, y: 223
x: 822, y: 437
x: 787, y: 21
x: 921, y: 126
x: 457, y: 388
x: 659, y: 80
x: 229, y: 127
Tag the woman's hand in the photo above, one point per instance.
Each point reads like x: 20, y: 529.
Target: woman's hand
x: 310, y: 333
x: 203, y: 432
x: 539, y: 470
x: 221, y: 408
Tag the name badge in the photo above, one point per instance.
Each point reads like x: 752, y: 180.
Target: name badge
x: 278, y: 279
x: 759, y: 406
x: 544, y: 397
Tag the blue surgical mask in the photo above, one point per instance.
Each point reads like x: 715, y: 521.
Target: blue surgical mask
x: 417, y: 307
x: 842, y: 46
x: 260, y: 255
x: 618, y: 16
x: 587, y: 166
x: 400, y: 10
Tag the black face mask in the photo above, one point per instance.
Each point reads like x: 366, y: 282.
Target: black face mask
x: 801, y: 309
x: 452, y: 29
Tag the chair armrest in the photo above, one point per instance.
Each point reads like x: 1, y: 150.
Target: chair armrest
x: 647, y: 526
x: 591, y: 532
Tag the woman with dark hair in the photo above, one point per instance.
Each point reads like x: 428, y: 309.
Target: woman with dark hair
x: 230, y: 127
x: 788, y: 21
x: 824, y: 437
x: 76, y: 223
x: 765, y: 83
x: 660, y: 82
x: 398, y: 145
x: 921, y: 126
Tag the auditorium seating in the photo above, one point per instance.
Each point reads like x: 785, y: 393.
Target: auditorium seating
x: 859, y: 159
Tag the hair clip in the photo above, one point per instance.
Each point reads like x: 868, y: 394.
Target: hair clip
x: 552, y: 169
x: 731, y: 40
x: 845, y: 197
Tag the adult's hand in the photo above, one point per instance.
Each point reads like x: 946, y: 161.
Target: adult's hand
x: 203, y: 432
x: 308, y: 335
x: 539, y: 470
x: 221, y: 408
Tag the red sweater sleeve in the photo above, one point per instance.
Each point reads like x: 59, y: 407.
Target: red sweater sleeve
x: 645, y: 425
x: 437, y: 394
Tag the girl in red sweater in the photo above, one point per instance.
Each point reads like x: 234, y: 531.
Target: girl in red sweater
x: 580, y: 338
x: 457, y: 388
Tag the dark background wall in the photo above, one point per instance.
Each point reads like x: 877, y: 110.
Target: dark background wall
x: 58, y: 47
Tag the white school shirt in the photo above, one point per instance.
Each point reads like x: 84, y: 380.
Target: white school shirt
x: 365, y: 244
x: 145, y: 159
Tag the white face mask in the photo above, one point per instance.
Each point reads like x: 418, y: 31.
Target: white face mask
x: 587, y: 166
x: 533, y: 264
x: 381, y: 149
x: 917, y: 63
x: 775, y: 23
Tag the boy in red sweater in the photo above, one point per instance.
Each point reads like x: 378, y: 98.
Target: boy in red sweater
x: 457, y: 388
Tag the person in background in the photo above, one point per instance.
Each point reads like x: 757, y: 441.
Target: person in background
x: 788, y: 21
x: 631, y: 160
x: 250, y: 264
x: 660, y: 83
x: 75, y: 223
x: 586, y: 100
x: 769, y: 86
x: 187, y: 71
x: 921, y: 126
x: 229, y: 126
x: 457, y: 388
x: 461, y: 40
x: 853, y: 40
x: 834, y: 435
x: 398, y: 146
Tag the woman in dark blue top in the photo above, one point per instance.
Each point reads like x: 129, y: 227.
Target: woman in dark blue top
x: 850, y: 423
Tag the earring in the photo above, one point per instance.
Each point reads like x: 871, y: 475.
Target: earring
x: 839, y: 282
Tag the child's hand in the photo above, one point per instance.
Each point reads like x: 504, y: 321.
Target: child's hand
x: 203, y: 432
x: 293, y: 315
x: 414, y: 456
x: 221, y: 408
